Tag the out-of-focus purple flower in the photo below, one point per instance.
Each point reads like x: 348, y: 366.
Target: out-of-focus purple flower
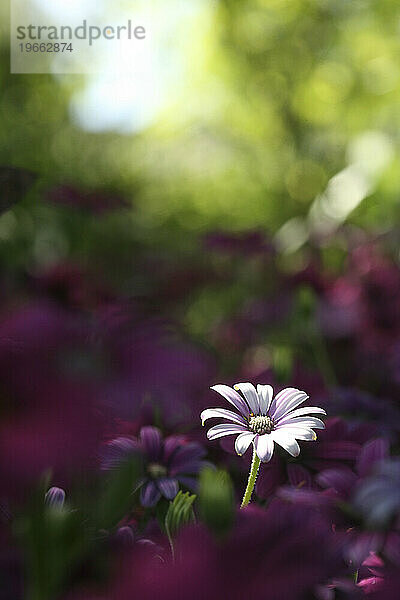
x: 167, y: 462
x: 247, y: 243
x: 388, y: 588
x: 63, y: 372
x: 340, y: 485
x: 339, y: 312
x: 153, y: 368
x: 71, y: 286
x: 283, y: 553
x: 342, y: 588
x: 360, y: 407
x: 127, y: 537
x: 96, y: 203
x: 233, y: 335
x: 362, y: 304
x: 262, y: 419
x: 378, y: 498
x: 371, y: 574
x: 55, y: 497
x: 337, y: 445
x: 50, y: 418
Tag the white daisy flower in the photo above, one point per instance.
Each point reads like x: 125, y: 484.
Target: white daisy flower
x: 264, y: 420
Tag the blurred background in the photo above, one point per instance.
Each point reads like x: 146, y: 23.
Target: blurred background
x: 231, y: 213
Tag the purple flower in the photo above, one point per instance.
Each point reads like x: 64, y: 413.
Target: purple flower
x: 370, y: 575
x: 167, y: 463
x: 360, y: 407
x: 378, y: 497
x: 263, y: 419
x: 248, y: 243
x: 336, y: 501
x: 282, y: 552
x: 96, y: 203
x: 134, y: 386
x: 55, y: 497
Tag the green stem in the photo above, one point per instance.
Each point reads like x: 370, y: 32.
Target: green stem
x: 252, y: 480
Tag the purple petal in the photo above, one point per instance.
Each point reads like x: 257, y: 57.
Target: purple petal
x: 211, y: 413
x: 342, y: 450
x: 149, y: 494
x: 305, y: 497
x: 299, y: 476
x: 168, y: 487
x: 189, y: 482
x: 171, y: 446
x: 116, y: 451
x: 125, y: 536
x: 189, y: 468
x: 249, y: 392
x: 361, y: 546
x: 374, y: 562
x: 151, y: 440
x: 371, y: 453
x: 341, y: 480
x: 55, y: 497
x: 232, y: 397
x: 269, y: 478
x: 185, y: 455
x: 221, y: 430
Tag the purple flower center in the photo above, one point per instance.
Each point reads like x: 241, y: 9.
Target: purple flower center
x: 156, y: 471
x: 261, y: 424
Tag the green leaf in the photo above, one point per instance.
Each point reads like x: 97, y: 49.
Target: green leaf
x: 180, y: 512
x: 55, y: 540
x: 216, y: 500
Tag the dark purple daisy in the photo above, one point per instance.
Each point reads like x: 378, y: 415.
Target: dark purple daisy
x: 167, y: 462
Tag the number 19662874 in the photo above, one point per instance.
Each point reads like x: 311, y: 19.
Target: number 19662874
x: 46, y: 47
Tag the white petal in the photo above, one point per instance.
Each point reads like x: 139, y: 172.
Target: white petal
x: 243, y: 441
x: 224, y: 429
x: 264, y: 447
x: 265, y: 395
x: 232, y: 397
x: 210, y: 413
x: 249, y: 392
x: 300, y: 433
x: 285, y: 401
x: 303, y: 421
x: 299, y: 412
x: 286, y: 441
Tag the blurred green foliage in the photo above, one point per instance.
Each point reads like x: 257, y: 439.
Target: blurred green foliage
x: 285, y: 89
x: 216, y: 500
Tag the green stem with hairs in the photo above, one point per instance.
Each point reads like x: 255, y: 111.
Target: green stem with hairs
x: 255, y: 464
